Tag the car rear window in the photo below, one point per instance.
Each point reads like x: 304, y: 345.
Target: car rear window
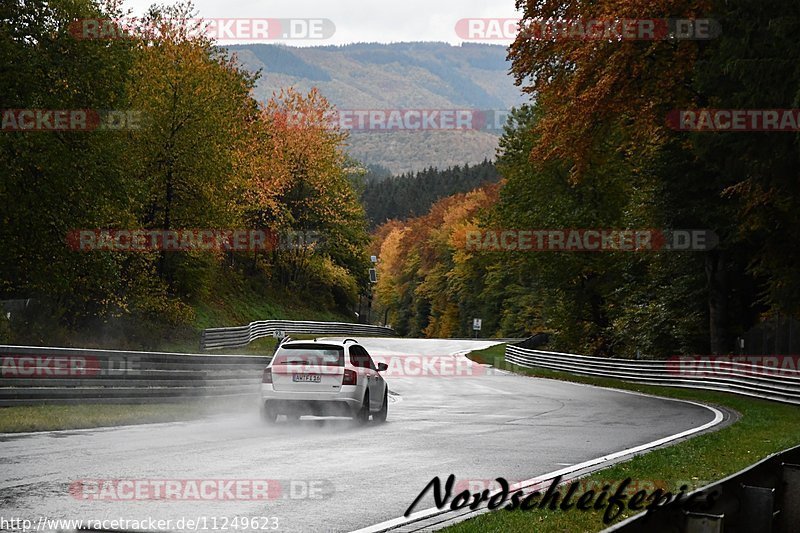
x: 309, y: 354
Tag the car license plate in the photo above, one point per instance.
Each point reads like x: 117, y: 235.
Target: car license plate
x: 306, y: 378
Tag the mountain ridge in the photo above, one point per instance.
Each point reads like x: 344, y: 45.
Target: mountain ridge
x: 407, y: 75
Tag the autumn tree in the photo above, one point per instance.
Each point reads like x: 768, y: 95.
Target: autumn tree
x: 203, y: 154
x: 298, y: 183
x: 422, y: 277
x: 197, y: 105
x: 612, y: 96
x: 53, y: 182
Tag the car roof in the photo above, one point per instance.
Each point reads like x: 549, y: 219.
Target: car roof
x: 323, y: 342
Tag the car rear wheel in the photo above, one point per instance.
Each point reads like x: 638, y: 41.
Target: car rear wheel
x: 380, y: 416
x: 268, y: 413
x: 362, y: 417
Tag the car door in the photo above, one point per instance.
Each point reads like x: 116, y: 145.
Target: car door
x: 361, y: 365
x: 377, y: 385
x: 361, y: 359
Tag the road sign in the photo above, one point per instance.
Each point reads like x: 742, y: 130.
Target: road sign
x: 279, y: 334
x: 476, y: 324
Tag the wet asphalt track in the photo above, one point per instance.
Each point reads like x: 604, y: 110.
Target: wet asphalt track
x: 476, y: 425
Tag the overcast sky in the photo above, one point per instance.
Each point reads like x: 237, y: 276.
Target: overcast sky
x: 360, y: 20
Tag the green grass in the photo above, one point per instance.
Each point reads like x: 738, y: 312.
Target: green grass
x: 53, y: 417
x: 237, y: 303
x: 232, y: 301
x: 262, y: 346
x: 764, y: 428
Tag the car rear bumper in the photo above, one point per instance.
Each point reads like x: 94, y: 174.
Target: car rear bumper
x: 341, y: 403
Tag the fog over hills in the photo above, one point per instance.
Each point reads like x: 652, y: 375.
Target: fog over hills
x: 371, y: 76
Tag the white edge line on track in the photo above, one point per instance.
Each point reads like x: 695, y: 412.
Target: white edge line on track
x: 433, y: 511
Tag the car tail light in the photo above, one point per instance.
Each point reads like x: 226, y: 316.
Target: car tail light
x: 267, y: 376
x: 349, y: 377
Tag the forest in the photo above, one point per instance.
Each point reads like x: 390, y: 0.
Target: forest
x: 203, y: 154
x: 595, y: 149
x: 413, y: 193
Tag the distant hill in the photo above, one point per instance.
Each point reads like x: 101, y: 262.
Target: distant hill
x: 397, y: 76
x: 410, y: 195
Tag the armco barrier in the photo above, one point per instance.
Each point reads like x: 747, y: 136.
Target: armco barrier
x: 38, y: 375
x: 764, y: 497
x: 738, y: 378
x: 239, y: 336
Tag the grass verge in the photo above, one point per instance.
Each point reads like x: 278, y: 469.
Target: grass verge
x: 236, y: 302
x: 262, y: 346
x: 230, y: 301
x: 82, y: 416
x: 764, y: 428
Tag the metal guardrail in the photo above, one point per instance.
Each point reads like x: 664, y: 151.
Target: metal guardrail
x: 738, y: 378
x: 763, y: 498
x: 489, y: 339
x: 32, y: 375
x: 239, y: 336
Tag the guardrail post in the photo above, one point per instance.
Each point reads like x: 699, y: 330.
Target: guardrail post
x: 790, y: 498
x: 703, y: 523
x: 757, y: 510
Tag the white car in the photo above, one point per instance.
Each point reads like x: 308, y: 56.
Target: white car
x: 324, y: 378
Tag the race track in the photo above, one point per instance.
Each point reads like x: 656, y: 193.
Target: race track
x: 330, y: 474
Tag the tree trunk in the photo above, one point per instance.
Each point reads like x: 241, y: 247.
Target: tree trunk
x: 718, y: 291
x: 167, y: 221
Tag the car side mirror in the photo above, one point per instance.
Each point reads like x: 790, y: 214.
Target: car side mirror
x: 382, y: 367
